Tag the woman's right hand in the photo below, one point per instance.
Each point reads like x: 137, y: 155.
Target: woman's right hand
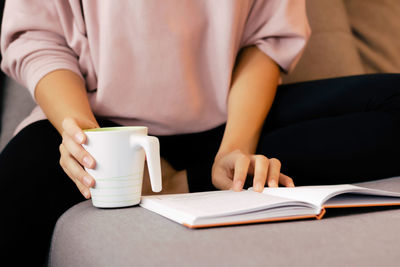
x: 74, y: 157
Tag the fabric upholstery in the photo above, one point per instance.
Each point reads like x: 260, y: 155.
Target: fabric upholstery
x: 17, y: 105
x: 88, y: 236
x: 331, y: 51
x: 376, y: 30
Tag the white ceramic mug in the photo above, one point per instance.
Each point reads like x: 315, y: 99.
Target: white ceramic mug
x: 120, y: 153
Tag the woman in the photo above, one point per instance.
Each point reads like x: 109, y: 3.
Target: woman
x: 203, y: 76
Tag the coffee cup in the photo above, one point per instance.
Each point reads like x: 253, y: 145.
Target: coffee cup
x: 120, y: 154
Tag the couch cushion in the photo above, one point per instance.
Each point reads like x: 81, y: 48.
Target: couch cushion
x: 88, y: 236
x: 331, y: 50
x: 376, y: 28
x: 17, y: 105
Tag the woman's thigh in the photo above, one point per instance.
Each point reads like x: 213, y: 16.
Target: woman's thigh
x: 35, y: 190
x: 336, y: 130
x: 334, y: 97
x: 195, y: 153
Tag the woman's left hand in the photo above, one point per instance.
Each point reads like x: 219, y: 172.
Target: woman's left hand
x: 230, y: 171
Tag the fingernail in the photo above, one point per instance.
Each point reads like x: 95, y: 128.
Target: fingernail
x: 87, y: 181
x: 273, y: 184
x: 259, y: 188
x: 237, y: 185
x: 79, y: 137
x: 87, y: 194
x: 87, y: 161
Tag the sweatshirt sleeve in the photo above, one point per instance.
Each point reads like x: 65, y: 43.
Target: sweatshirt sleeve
x: 279, y: 28
x: 33, y: 43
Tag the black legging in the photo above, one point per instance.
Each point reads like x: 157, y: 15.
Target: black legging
x: 327, y: 131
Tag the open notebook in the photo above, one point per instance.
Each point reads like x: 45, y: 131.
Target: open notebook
x: 216, y: 208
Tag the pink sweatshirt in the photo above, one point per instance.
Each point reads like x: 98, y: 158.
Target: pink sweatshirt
x: 162, y: 64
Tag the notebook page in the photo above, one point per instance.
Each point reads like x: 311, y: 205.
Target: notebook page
x: 349, y: 200
x: 312, y: 194
x: 215, y: 203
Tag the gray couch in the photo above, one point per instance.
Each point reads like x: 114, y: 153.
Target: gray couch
x: 349, y: 37
x: 88, y: 236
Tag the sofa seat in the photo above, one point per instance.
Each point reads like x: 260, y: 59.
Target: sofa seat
x: 88, y: 236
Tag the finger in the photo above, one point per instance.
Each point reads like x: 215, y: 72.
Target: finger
x: 286, y: 180
x: 273, y: 172
x: 85, y: 191
x: 78, y: 152
x: 223, y: 171
x: 82, y: 188
x: 71, y: 127
x: 75, y: 171
x: 221, y: 179
x: 261, y: 165
x: 240, y: 171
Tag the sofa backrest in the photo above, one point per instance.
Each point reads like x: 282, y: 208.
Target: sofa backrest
x: 376, y: 30
x: 350, y: 37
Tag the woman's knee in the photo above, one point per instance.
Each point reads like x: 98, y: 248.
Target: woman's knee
x: 386, y: 93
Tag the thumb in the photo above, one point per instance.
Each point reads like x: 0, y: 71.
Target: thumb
x: 220, y: 179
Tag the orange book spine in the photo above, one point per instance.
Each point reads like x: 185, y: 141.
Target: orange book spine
x: 302, y: 217
x: 362, y: 205
x: 318, y: 216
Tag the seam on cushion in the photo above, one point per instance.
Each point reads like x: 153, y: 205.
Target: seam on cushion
x: 341, y: 10
x: 354, y: 35
x: 374, y: 44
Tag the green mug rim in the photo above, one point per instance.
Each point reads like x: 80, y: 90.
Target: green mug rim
x: 115, y: 129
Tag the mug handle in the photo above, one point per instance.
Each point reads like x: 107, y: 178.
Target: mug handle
x: 151, y: 146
